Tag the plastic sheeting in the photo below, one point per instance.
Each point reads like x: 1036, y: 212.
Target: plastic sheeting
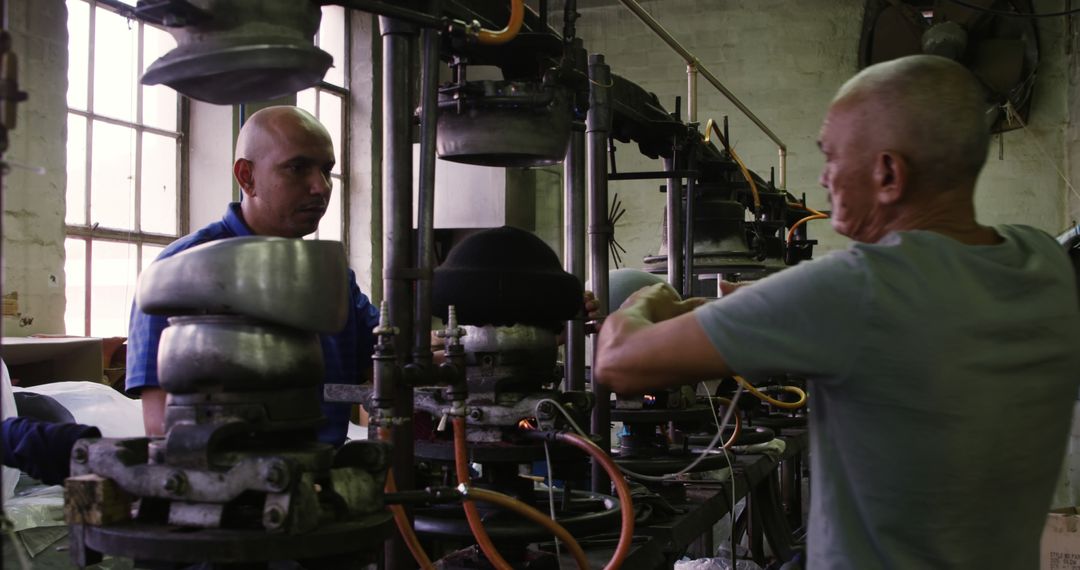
x: 98, y: 405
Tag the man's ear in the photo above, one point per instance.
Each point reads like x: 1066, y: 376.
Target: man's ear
x: 891, y: 174
x: 244, y: 171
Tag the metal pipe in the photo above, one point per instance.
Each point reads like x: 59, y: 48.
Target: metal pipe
x: 574, y: 251
x: 598, y: 125
x: 688, y: 233
x: 691, y: 92
x: 691, y: 59
x: 425, y: 223
x: 397, y: 43
x: 782, y: 151
x: 674, y: 224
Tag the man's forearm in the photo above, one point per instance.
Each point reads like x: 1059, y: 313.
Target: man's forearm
x: 153, y: 409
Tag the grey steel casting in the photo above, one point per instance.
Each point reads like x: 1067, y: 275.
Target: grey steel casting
x: 201, y: 353
x: 291, y: 282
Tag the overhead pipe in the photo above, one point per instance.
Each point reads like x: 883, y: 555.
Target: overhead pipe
x: 598, y: 126
x: 692, y: 60
x: 574, y: 251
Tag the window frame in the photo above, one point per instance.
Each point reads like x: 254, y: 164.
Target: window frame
x: 341, y: 92
x: 89, y: 232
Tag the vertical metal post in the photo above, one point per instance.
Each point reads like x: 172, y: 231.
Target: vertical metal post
x: 674, y: 223
x: 598, y: 126
x: 691, y: 92
x: 425, y: 223
x: 574, y: 250
x: 398, y: 38
x: 688, y: 231
x: 783, y: 168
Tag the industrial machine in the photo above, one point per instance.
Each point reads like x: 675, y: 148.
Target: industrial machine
x: 498, y: 411
x: 239, y: 467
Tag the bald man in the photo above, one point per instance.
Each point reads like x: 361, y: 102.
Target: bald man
x: 283, y: 161
x: 940, y: 353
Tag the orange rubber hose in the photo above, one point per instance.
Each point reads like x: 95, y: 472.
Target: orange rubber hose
x: 471, y: 513
x: 497, y: 37
x: 537, y: 517
x: 738, y: 423
x: 401, y: 519
x: 626, y: 532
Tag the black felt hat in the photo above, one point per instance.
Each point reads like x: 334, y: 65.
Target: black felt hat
x: 506, y: 276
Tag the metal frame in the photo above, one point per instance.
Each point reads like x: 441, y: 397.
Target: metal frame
x: 89, y: 232
x: 341, y: 92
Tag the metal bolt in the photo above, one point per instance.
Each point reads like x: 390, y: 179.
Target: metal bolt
x: 475, y: 414
x: 80, y: 455
x: 273, y: 517
x: 545, y: 410
x: 277, y: 475
x: 175, y: 483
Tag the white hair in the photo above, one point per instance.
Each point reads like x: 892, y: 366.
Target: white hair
x: 931, y: 109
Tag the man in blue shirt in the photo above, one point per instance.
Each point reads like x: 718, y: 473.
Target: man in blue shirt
x: 283, y: 161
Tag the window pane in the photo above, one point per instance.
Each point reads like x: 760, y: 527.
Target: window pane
x: 332, y: 41
x: 330, y: 225
x: 76, y: 170
x: 112, y: 181
x: 158, y: 184
x: 149, y: 254
x: 112, y: 287
x: 75, y: 286
x: 159, y: 102
x: 330, y: 117
x: 306, y: 100
x: 116, y: 43
x: 78, y: 46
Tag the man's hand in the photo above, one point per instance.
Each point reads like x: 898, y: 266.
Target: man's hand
x: 660, y: 302
x: 592, y: 306
x: 727, y: 287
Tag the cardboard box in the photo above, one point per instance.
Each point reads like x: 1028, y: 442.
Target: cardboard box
x: 1060, y: 548
x: 40, y: 360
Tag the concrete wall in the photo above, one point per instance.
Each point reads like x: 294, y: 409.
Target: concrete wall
x: 1072, y: 131
x: 785, y: 60
x: 33, y: 223
x: 365, y: 166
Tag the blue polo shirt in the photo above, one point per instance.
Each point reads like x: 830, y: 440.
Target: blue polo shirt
x: 347, y: 354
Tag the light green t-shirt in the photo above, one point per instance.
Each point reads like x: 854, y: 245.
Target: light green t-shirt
x: 942, y: 380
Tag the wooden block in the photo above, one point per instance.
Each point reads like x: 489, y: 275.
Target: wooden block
x: 96, y: 501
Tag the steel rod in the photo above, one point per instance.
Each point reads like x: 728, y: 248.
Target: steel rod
x: 597, y: 128
x: 425, y: 223
x: 688, y: 235
x: 674, y: 225
x: 574, y: 251
x: 397, y: 44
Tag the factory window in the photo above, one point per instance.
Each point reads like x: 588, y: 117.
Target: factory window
x: 124, y: 157
x: 329, y: 102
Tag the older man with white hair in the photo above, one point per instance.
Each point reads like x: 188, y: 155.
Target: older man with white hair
x: 940, y: 353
